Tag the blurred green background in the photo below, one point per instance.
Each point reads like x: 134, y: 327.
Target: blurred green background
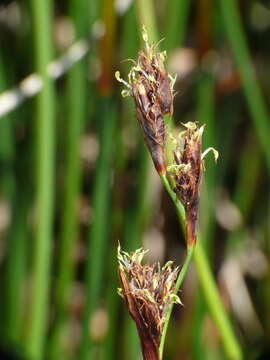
x: 75, y: 177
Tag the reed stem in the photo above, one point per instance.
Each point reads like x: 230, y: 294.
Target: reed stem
x: 252, y: 91
x: 207, y: 282
x: 42, y: 25
x: 98, y: 233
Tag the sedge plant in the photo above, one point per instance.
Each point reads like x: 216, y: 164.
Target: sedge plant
x: 151, y: 291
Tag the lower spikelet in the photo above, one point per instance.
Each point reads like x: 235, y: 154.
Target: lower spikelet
x: 148, y: 291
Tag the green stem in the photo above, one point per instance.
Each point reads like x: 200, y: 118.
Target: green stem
x: 216, y: 308
x: 252, y: 90
x: 76, y: 115
x: 179, y: 282
x: 69, y: 221
x: 7, y: 189
x: 175, y: 28
x: 16, y: 266
x: 98, y: 232
x: 179, y: 207
x: 205, y: 115
x: 145, y: 14
x: 207, y: 282
x: 42, y: 16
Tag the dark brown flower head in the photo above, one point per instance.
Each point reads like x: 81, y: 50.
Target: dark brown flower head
x: 148, y: 291
x: 187, y: 172
x: 152, y: 89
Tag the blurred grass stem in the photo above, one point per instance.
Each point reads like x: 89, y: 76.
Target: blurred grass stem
x: 42, y: 26
x: 252, y: 90
x: 175, y: 28
x: 76, y: 115
x: 98, y: 233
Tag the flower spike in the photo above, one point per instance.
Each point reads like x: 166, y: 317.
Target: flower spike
x: 152, y: 89
x: 186, y: 172
x: 148, y: 291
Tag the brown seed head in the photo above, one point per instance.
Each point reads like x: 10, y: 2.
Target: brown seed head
x: 187, y: 172
x: 152, y: 89
x: 148, y: 291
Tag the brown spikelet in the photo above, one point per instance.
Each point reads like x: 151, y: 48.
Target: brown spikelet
x: 148, y: 291
x: 187, y: 172
x: 152, y: 89
x: 151, y: 121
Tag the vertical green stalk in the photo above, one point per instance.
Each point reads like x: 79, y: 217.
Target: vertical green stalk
x: 69, y: 224
x: 42, y: 25
x: 175, y: 28
x: 76, y: 101
x: 98, y: 234
x: 146, y: 17
x: 251, y: 89
x: 16, y: 266
x: 250, y: 163
x: 205, y: 115
x: 7, y: 186
x: 215, y: 306
x: 112, y: 301
x: 6, y: 142
x: 207, y: 282
x: 96, y: 264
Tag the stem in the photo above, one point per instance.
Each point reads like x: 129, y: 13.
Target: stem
x: 205, y: 113
x: 145, y: 14
x: 210, y: 290
x: 69, y: 220
x: 251, y: 89
x: 231, y: 346
x: 76, y: 115
x: 99, y: 230
x: 42, y: 16
x: 179, y: 282
x: 16, y: 265
x: 175, y: 28
x: 207, y: 282
x: 179, y: 207
x: 7, y: 186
